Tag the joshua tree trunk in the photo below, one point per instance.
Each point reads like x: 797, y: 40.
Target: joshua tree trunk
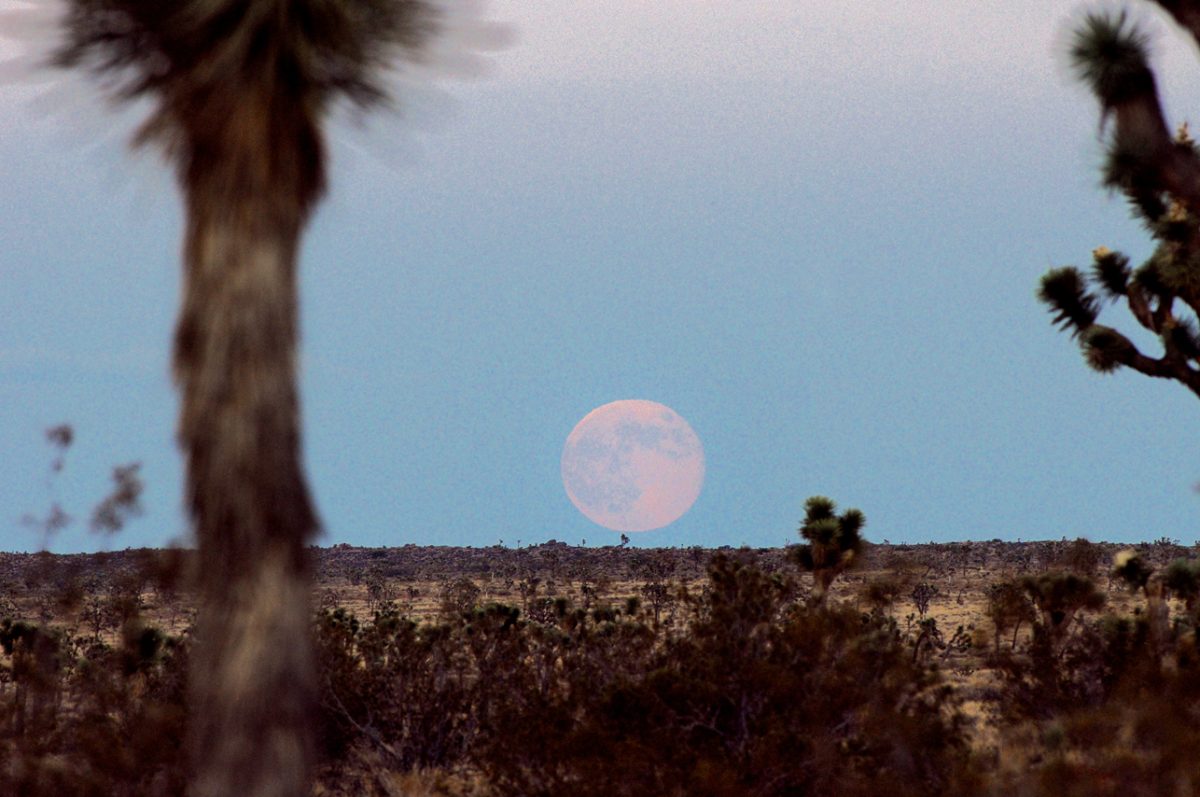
x: 254, y: 169
x: 241, y: 88
x: 253, y: 678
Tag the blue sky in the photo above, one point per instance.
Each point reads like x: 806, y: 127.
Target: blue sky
x: 815, y: 231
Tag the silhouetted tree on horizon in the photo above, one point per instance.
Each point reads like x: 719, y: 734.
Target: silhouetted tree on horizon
x: 833, y: 542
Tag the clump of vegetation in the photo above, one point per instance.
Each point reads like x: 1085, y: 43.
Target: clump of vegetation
x: 85, y: 716
x: 756, y: 690
x: 751, y: 688
x: 762, y: 695
x: 833, y: 542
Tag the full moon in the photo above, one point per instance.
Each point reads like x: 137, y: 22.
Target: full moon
x: 633, y: 465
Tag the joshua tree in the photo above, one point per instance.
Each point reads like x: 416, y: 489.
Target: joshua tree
x: 1059, y: 597
x: 1182, y: 579
x: 1160, y: 175
x: 1008, y: 607
x: 241, y: 88
x: 833, y: 542
x: 1179, y: 579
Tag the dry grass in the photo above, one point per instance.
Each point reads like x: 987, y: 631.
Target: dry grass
x: 370, y: 776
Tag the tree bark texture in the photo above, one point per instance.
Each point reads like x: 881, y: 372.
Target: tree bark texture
x: 252, y: 672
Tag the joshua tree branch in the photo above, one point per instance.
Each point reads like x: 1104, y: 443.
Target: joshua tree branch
x: 1192, y: 302
x: 1145, y: 159
x: 1185, y: 13
x: 1140, y: 308
x: 1162, y: 314
x: 1141, y: 130
x: 1170, y: 366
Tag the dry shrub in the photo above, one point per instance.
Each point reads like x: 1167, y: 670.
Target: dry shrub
x: 762, y: 696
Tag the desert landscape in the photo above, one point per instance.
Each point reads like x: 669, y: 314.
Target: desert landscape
x: 648, y: 268
x: 988, y: 667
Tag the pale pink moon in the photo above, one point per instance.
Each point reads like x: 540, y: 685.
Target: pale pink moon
x: 633, y: 465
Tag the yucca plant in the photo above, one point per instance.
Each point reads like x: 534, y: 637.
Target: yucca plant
x: 1160, y: 176
x: 1059, y: 597
x: 240, y: 92
x: 833, y: 542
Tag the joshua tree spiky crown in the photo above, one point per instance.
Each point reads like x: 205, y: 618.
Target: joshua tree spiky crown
x: 1160, y: 176
x: 240, y: 89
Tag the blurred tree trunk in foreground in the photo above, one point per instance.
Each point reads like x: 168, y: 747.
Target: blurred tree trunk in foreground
x: 241, y: 90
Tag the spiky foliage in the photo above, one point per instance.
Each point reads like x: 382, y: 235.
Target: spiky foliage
x: 1060, y: 596
x: 240, y: 91
x: 228, y: 77
x: 1130, y: 568
x: 1064, y: 290
x: 1182, y: 579
x: 1008, y: 607
x: 1160, y: 176
x: 833, y: 542
x: 1109, y: 54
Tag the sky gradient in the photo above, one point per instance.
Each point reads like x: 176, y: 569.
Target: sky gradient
x: 813, y: 230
